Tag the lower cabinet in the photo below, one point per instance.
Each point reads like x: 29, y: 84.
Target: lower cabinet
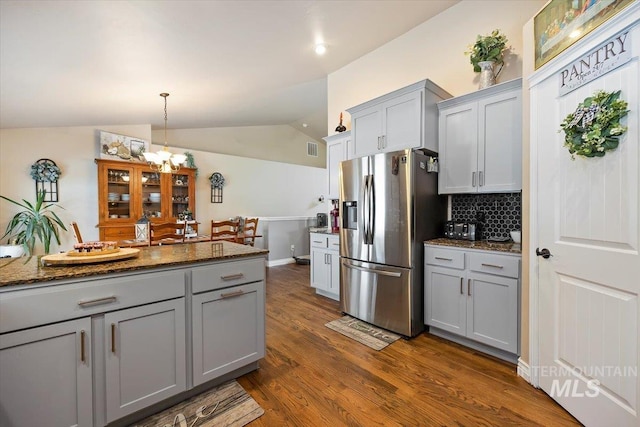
x: 228, y: 330
x: 145, y: 356
x: 325, y: 264
x: 94, y: 350
x: 45, y: 376
x: 473, y: 294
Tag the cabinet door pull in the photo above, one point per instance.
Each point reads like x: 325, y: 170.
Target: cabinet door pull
x: 378, y: 143
x: 461, y: 280
x: 384, y: 141
x: 82, y: 345
x: 328, y: 258
x: 473, y: 179
x: 113, y: 338
x: 444, y: 259
x: 232, y: 294
x: 492, y: 265
x: 97, y: 301
x: 469, y: 287
x: 480, y: 179
x: 232, y: 276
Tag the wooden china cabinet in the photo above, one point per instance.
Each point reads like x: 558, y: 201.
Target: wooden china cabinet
x: 127, y: 190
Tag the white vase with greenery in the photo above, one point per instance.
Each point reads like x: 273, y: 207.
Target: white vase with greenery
x: 487, y: 53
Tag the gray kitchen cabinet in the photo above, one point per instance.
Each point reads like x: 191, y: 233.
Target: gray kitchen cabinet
x: 325, y: 264
x: 337, y: 151
x: 473, y: 294
x: 145, y: 356
x: 89, y: 351
x: 46, y: 376
x: 228, y: 330
x: 405, y: 118
x: 228, y: 317
x: 480, y: 141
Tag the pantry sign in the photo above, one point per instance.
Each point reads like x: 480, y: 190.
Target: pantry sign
x: 606, y: 57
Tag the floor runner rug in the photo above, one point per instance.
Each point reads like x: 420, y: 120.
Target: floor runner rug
x: 227, y: 405
x: 363, y: 332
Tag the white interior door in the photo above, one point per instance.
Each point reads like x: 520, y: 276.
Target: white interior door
x: 587, y: 216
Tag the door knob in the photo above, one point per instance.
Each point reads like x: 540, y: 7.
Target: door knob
x: 544, y: 253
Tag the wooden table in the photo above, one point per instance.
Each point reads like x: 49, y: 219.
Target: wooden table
x: 136, y: 243
x: 239, y: 238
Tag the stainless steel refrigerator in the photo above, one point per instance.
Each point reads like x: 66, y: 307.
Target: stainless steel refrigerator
x: 389, y: 205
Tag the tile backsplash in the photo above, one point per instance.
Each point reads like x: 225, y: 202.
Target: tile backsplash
x: 502, y: 212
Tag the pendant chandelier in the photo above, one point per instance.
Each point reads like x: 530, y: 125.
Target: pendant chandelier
x: 163, y: 161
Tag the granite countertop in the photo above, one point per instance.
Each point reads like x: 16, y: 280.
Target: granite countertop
x: 509, y: 247
x: 322, y: 230
x: 28, y: 270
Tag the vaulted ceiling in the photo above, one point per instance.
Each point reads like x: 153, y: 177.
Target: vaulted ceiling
x: 225, y: 63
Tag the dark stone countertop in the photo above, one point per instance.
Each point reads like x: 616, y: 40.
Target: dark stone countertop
x: 508, y: 247
x: 29, y: 270
x: 322, y: 230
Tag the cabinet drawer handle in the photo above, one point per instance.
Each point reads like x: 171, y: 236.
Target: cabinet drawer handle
x: 113, y: 338
x: 232, y: 276
x: 469, y: 287
x: 232, y: 294
x: 444, y: 259
x: 461, y: 280
x: 317, y: 241
x: 492, y: 265
x: 82, y: 345
x: 97, y: 301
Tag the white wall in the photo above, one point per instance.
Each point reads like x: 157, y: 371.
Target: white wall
x: 433, y: 50
x: 280, y: 143
x: 254, y: 187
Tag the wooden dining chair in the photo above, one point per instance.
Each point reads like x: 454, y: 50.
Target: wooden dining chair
x: 250, y: 231
x: 166, y: 233
x: 225, y: 230
x: 76, y: 232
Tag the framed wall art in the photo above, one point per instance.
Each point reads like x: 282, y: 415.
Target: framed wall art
x: 121, y: 147
x: 563, y: 22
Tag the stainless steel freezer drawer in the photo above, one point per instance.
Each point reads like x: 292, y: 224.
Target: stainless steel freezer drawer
x: 380, y: 295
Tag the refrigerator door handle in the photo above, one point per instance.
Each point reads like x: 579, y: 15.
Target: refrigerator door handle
x: 371, y: 270
x: 372, y: 209
x: 365, y: 211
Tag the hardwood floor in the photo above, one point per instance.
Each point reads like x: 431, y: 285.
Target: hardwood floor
x: 313, y: 376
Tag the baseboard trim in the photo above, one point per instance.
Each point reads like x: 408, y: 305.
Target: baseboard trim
x: 282, y: 261
x: 523, y: 370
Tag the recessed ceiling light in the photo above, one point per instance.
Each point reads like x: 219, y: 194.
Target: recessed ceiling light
x: 304, y: 125
x: 320, y: 49
x: 574, y: 34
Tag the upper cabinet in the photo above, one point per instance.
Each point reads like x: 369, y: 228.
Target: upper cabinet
x: 128, y: 190
x: 337, y: 151
x: 405, y: 118
x: 480, y: 141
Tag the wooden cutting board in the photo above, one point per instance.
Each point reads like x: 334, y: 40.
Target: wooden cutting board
x: 66, y: 259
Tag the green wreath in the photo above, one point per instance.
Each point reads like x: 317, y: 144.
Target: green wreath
x: 45, y: 171
x: 594, y: 128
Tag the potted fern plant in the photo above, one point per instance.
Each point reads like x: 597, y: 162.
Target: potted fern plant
x: 486, y: 53
x: 35, y: 221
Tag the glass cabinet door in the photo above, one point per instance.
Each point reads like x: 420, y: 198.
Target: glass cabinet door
x: 118, y: 193
x: 151, y: 194
x: 179, y: 194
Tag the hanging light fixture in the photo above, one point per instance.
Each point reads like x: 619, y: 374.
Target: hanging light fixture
x: 163, y: 161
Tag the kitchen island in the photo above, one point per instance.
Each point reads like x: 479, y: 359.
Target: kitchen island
x: 110, y: 343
